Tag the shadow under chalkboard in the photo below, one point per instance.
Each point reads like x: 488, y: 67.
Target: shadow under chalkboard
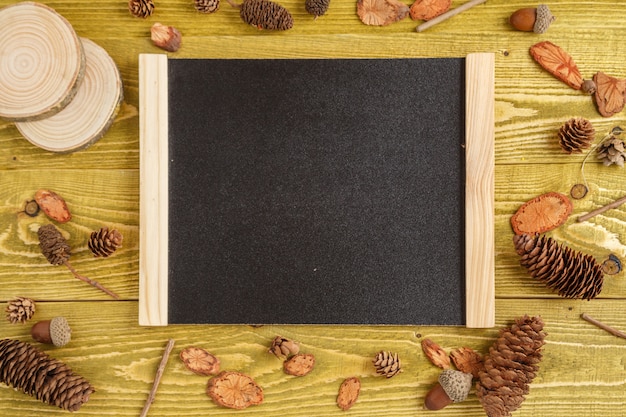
x: 316, y: 191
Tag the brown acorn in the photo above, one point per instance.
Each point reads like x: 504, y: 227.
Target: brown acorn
x: 529, y: 19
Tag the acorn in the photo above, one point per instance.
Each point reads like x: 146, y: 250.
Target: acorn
x: 56, y: 332
x: 529, y: 19
x: 453, y: 387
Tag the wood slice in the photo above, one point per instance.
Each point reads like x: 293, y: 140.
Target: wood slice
x: 42, y: 62
x: 89, y: 115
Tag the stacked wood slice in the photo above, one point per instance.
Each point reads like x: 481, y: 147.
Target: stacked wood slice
x: 63, y: 92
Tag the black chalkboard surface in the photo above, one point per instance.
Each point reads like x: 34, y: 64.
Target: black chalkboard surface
x: 326, y: 191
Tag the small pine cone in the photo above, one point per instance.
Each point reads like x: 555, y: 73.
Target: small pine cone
x: 612, y: 151
x: 207, y: 6
x: 283, y: 348
x: 141, y: 8
x: 571, y: 274
x: 387, y: 364
x: 20, y: 310
x: 510, y: 366
x: 53, y: 245
x: 265, y: 14
x: 30, y: 370
x: 104, y: 242
x: 576, y: 134
x: 316, y: 7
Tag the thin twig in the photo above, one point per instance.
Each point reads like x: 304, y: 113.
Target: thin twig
x: 91, y: 281
x: 603, y: 326
x: 157, y: 377
x: 447, y: 15
x: 602, y: 209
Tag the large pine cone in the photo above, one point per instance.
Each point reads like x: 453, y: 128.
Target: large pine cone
x: 613, y: 151
x: 316, y: 7
x: 53, y: 245
x: 207, y: 6
x: 104, y: 242
x: 510, y: 366
x: 265, y: 14
x: 576, y: 134
x: 141, y: 8
x: 33, y: 372
x: 572, y: 274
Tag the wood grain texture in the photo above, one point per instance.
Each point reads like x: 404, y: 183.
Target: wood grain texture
x: 583, y: 369
x: 479, y: 190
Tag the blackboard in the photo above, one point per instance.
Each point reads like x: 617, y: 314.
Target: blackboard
x: 322, y: 191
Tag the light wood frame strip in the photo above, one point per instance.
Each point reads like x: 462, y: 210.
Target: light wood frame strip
x: 479, y: 190
x: 153, y: 194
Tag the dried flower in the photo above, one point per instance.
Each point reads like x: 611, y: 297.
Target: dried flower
x: 282, y: 347
x: 381, y: 12
x: 200, y: 361
x: 429, y: 9
x: 234, y: 390
x: 165, y: 37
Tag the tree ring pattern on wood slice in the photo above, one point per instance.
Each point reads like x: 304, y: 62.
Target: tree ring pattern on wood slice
x: 42, y: 62
x: 92, y: 111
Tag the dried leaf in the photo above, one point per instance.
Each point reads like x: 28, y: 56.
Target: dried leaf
x: 299, y: 365
x: 348, y: 393
x: 557, y: 62
x: 542, y: 213
x: 610, y: 94
x: 436, y: 354
x: 53, y: 205
x: 381, y: 12
x: 467, y: 360
x: 234, y: 390
x: 200, y: 361
x: 429, y: 9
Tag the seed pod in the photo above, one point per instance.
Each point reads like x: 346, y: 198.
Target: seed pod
x: 316, y: 7
x: 264, y: 14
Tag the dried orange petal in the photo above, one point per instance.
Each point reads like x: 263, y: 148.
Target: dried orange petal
x: 53, y: 205
x: 348, y: 393
x: 436, y: 354
x: 300, y: 364
x: 557, y: 62
x: 428, y: 9
x: 467, y: 360
x: 234, y: 390
x: 609, y: 95
x: 200, y: 361
x: 381, y: 12
x: 542, y: 213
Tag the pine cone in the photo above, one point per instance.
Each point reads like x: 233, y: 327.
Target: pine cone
x: 20, y: 310
x: 207, y: 6
x: 104, y: 242
x: 53, y: 245
x: 316, y: 7
x: 30, y: 370
x: 265, y: 14
x: 576, y: 134
x: 612, y: 151
x: 510, y: 367
x: 283, y: 348
x: 387, y: 364
x: 572, y: 274
x: 141, y: 8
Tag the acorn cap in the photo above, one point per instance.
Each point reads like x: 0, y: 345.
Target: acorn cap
x: 60, y: 331
x: 544, y: 19
x: 456, y: 384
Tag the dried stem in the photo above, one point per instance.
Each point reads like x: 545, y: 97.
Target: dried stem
x: 447, y: 15
x: 157, y: 377
x: 90, y: 281
x: 602, y: 209
x: 603, y: 326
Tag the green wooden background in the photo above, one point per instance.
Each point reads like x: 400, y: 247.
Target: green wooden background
x: 584, y: 368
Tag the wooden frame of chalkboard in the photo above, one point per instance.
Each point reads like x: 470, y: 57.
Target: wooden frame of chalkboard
x: 161, y: 244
